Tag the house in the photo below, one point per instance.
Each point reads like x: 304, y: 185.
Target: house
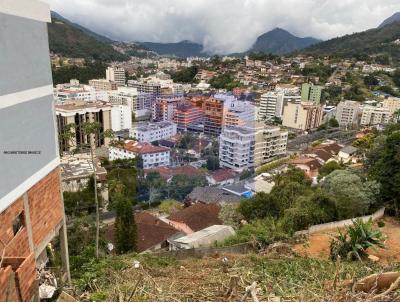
x: 195, y: 218
x: 222, y: 177
x: 152, y: 233
x: 310, y: 166
x: 261, y: 183
x: 325, y: 152
x: 153, y: 156
x: 203, y: 238
x: 239, y: 189
x: 348, y: 153
x: 168, y: 173
x: 211, y: 195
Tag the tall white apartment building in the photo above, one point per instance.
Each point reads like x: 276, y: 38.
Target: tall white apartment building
x: 151, y: 132
x: 153, y: 156
x: 239, y: 113
x: 391, y: 103
x: 121, y: 117
x: 272, y: 104
x: 375, y: 116
x: 247, y: 147
x: 348, y: 113
x: 117, y: 75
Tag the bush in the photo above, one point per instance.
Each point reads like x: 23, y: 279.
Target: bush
x: 356, y: 240
x: 260, y: 232
x: 381, y: 223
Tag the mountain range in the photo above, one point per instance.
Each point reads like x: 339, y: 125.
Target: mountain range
x: 71, y: 39
x: 381, y: 41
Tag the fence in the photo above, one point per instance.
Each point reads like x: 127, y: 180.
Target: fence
x: 243, y: 248
x: 340, y: 224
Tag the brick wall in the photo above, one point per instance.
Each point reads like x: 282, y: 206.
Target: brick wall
x: 45, y: 206
x: 26, y: 277
x: 5, y: 275
x: 17, y: 246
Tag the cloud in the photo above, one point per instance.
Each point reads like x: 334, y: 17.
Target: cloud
x: 223, y: 26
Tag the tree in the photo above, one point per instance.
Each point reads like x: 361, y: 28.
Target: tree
x: 185, y: 75
x: 212, y: 163
x: 125, y: 226
x: 370, y: 80
x: 182, y: 185
x: 353, y: 197
x: 170, y: 206
x: 384, y: 163
x: 328, y: 168
x: 333, y: 123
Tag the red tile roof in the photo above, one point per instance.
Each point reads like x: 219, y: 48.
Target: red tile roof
x: 223, y: 174
x: 143, y: 148
x: 310, y: 162
x: 150, y: 231
x: 198, y: 216
x: 167, y: 172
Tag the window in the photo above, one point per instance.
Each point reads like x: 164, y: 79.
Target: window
x: 18, y: 223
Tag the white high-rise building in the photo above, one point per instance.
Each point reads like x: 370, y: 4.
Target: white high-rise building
x: 239, y: 113
x: 117, y: 75
x: 246, y: 147
x: 121, y: 117
x: 348, y: 112
x: 272, y: 104
x: 375, y: 116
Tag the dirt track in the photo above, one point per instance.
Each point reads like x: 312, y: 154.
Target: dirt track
x: 318, y: 244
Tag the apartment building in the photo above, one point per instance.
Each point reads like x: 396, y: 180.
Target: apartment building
x: 372, y: 115
x: 348, y: 113
x: 187, y: 114
x: 150, y: 132
x: 31, y: 205
x: 103, y: 84
x: 392, y: 104
x: 239, y: 113
x: 163, y: 108
x: 146, y: 87
x: 272, y: 104
x: 303, y: 116
x: 153, y: 156
x: 213, y: 116
x: 311, y: 93
x: 121, y: 117
x: 75, y: 90
x: 117, y: 75
x: 78, y: 113
x: 247, y: 147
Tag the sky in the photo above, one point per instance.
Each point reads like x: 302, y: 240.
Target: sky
x: 223, y: 26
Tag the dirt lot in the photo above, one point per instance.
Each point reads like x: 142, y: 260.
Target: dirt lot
x: 318, y: 244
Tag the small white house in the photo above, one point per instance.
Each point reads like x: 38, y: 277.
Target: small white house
x: 348, y: 154
x: 203, y: 238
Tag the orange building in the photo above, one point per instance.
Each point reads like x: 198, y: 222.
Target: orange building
x: 185, y: 114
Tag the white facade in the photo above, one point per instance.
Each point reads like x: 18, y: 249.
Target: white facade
x: 117, y: 75
x: 375, y: 116
x: 151, y: 132
x: 239, y: 113
x: 272, y: 104
x: 152, y: 156
x: 246, y: 147
x: 121, y: 117
x: 347, y: 113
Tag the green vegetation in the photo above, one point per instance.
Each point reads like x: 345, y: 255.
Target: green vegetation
x: 125, y: 226
x: 383, y: 162
x: 72, y: 42
x: 329, y: 167
x: 80, y: 203
x: 212, y: 163
x: 356, y: 240
x: 271, y: 165
x: 224, y: 81
x: 361, y: 45
x: 85, y: 73
x: 185, y: 75
x: 317, y: 70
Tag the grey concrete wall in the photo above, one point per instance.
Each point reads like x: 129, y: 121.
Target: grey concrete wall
x: 24, y: 54
x: 27, y: 126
